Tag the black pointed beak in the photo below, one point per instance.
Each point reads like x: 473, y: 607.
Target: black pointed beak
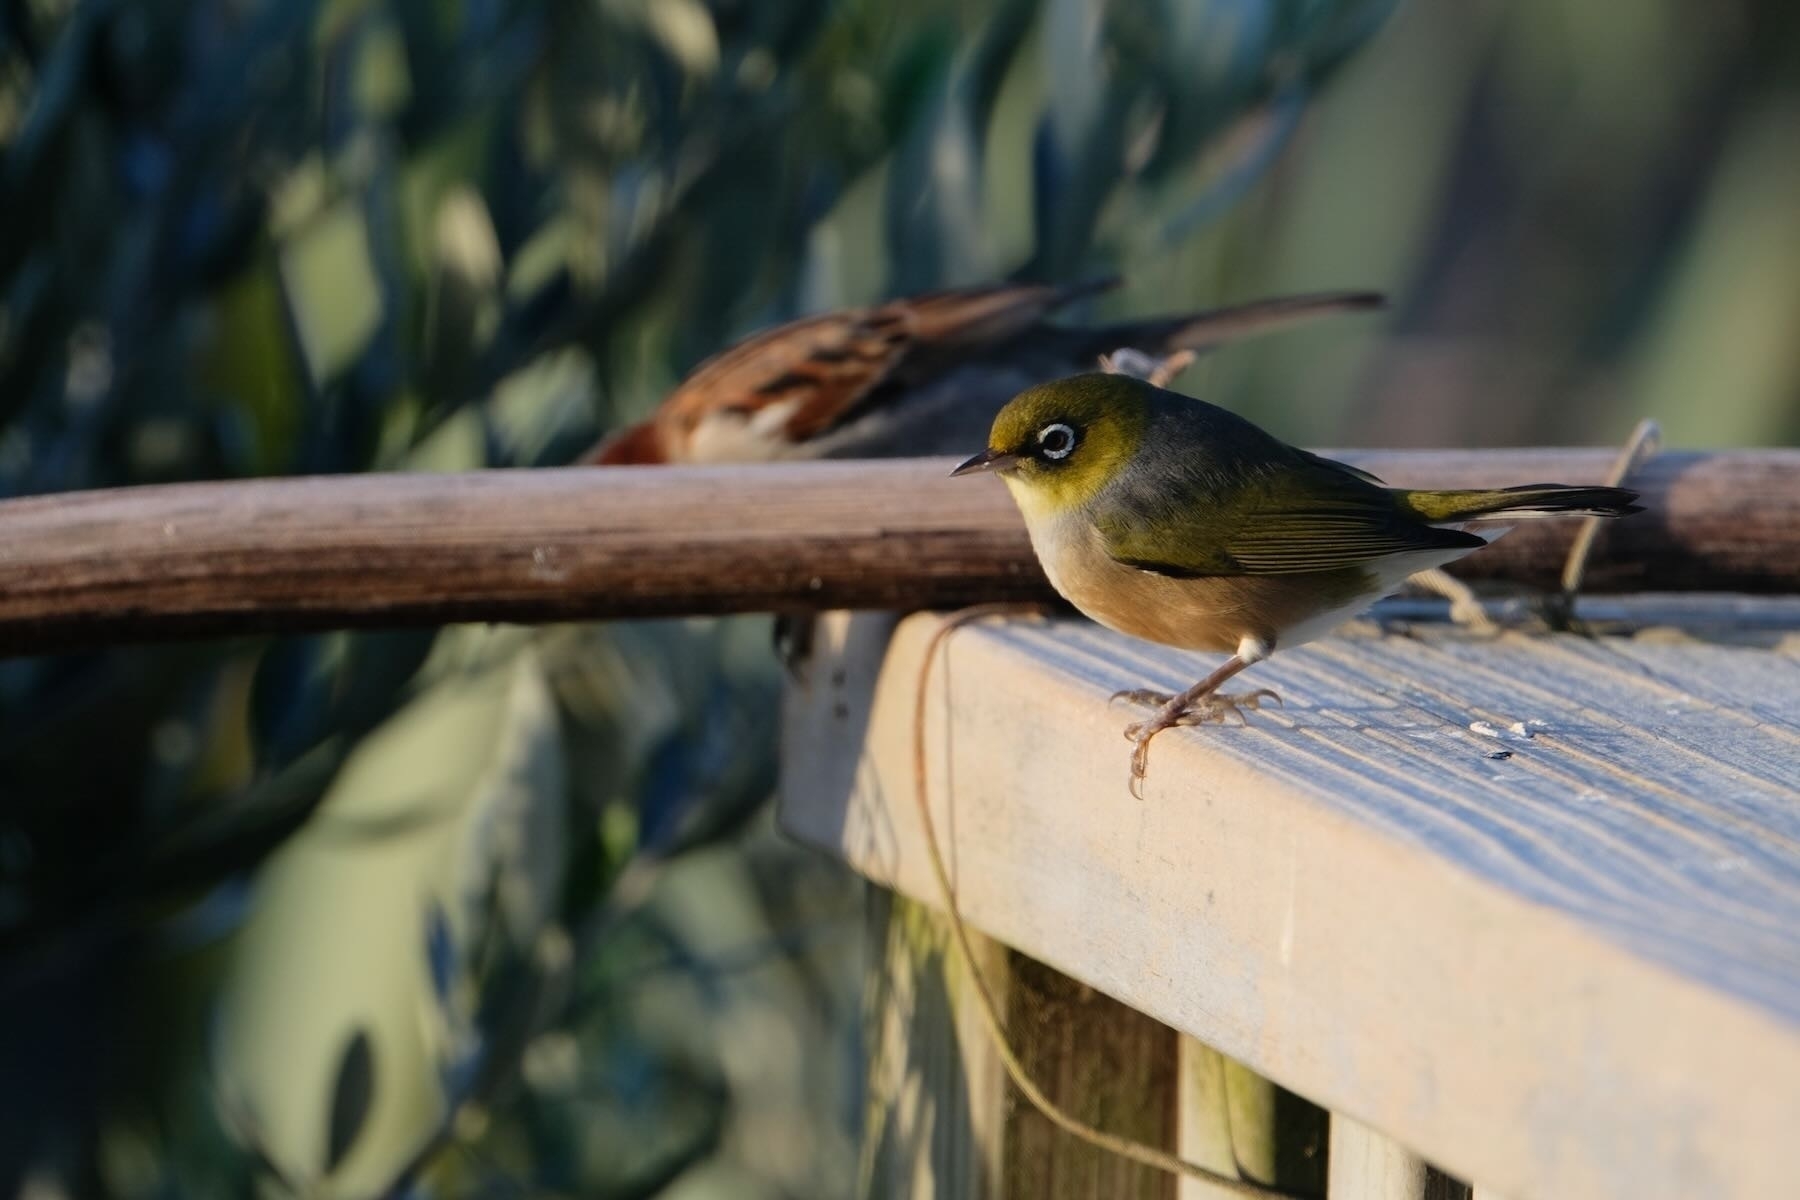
x: 987, y: 460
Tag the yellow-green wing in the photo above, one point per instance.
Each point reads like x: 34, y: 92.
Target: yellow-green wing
x: 1325, y: 540
x: 1309, y: 515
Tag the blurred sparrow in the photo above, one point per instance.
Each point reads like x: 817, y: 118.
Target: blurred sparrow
x: 919, y: 375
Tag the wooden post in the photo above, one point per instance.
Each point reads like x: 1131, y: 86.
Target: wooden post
x: 1366, y: 1165
x: 1205, y: 1133
x: 935, y: 1114
x: 942, y: 1122
x: 1235, y: 1121
x: 1104, y: 1063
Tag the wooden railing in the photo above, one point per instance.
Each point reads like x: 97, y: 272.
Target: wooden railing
x: 281, y: 555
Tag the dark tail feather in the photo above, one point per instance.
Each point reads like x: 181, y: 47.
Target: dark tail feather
x: 1069, y: 293
x: 1530, y: 502
x: 1202, y: 331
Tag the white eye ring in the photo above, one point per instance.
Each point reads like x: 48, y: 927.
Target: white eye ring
x: 1062, y: 450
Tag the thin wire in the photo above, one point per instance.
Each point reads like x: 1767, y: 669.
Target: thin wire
x: 1136, y: 1151
x: 1644, y: 442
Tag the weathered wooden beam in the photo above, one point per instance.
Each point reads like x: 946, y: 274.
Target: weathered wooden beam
x: 1529, y: 905
x: 281, y: 555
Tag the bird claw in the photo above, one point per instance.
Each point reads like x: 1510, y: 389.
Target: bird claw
x: 1221, y: 704
x: 1141, y: 696
x: 1203, y: 711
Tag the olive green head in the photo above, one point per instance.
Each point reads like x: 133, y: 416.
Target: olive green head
x: 1057, y: 444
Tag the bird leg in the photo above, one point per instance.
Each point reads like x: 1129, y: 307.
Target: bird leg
x: 1198, y: 705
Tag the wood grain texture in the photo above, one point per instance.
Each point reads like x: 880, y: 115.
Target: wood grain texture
x: 1574, y: 971
x: 1104, y: 1064
x: 282, y: 555
x: 941, y: 1122
x: 935, y: 1116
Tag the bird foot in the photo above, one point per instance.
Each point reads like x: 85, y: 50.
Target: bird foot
x: 1171, y: 713
x: 1219, y: 705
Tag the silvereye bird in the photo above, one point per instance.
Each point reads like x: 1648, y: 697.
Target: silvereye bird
x: 923, y: 374
x: 1170, y: 519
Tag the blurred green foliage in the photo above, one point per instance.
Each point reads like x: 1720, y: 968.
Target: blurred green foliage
x: 501, y: 911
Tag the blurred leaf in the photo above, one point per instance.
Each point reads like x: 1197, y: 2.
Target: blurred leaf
x: 382, y: 84
x: 351, y: 1098
x: 333, y: 291
x: 479, y: 756
x: 1252, y: 163
x: 934, y: 203
x: 54, y: 99
x: 248, y: 359
x: 308, y: 689
x: 1212, y: 61
x: 1726, y: 330
x: 684, y: 28
x: 542, y: 408
x: 1080, y: 145
x: 461, y: 312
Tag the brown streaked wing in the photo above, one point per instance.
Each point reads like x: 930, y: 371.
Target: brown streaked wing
x: 832, y: 350
x: 961, y: 318
x: 835, y: 379
x: 827, y: 365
